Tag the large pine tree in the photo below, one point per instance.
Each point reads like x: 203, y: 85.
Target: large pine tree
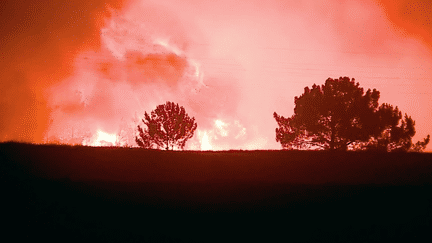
x: 338, y: 114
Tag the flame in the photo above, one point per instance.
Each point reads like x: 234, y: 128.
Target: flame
x: 104, y: 139
x: 221, y: 134
x: 222, y: 127
x: 67, y: 75
x: 205, y: 143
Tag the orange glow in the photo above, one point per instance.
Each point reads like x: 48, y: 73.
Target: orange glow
x: 73, y: 68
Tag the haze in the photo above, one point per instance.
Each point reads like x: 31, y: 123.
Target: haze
x: 80, y: 72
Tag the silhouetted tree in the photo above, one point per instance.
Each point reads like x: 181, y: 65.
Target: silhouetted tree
x: 168, y: 126
x: 330, y: 116
x: 395, y: 133
x: 338, y: 114
x: 420, y: 146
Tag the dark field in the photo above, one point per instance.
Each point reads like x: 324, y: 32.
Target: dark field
x: 65, y: 193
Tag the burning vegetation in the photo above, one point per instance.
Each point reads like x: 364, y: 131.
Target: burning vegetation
x: 82, y: 73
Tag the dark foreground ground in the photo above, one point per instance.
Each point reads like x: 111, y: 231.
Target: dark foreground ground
x: 62, y: 193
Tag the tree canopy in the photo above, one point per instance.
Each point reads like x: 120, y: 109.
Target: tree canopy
x: 340, y: 114
x: 168, y: 126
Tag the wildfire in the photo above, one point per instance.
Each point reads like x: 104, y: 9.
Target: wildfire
x: 222, y: 127
x: 205, y: 143
x: 104, y: 139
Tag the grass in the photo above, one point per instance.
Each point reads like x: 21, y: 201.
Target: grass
x: 71, y: 193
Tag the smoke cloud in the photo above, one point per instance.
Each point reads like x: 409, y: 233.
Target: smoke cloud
x: 38, y: 45
x: 71, y: 71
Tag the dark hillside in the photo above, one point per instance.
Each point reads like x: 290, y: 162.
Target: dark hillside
x: 122, y: 194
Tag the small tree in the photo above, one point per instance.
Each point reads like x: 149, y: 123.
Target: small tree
x: 167, y: 127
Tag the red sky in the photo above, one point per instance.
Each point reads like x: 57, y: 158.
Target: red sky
x: 73, y: 69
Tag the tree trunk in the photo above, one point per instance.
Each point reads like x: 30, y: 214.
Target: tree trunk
x: 332, y: 140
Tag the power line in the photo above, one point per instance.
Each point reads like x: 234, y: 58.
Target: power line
x: 291, y: 70
x: 227, y: 66
x: 321, y: 50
